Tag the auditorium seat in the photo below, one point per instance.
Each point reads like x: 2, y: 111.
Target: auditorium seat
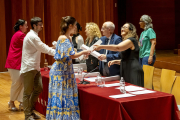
x: 167, y: 80
x: 148, y: 76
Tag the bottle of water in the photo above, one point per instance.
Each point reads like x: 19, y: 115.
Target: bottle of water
x: 122, y: 86
x: 99, y: 81
x: 45, y: 65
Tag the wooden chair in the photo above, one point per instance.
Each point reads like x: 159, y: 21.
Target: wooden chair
x: 167, y: 80
x: 148, y: 76
x: 176, y: 90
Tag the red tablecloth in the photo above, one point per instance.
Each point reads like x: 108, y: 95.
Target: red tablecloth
x: 95, y: 103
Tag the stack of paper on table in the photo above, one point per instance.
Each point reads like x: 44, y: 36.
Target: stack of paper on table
x: 111, y: 78
x: 121, y: 95
x: 142, y: 92
x: 132, y: 88
x: 81, y: 65
x: 93, y: 74
x: 112, y: 85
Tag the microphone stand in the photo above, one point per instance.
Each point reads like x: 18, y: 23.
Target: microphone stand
x: 86, y: 82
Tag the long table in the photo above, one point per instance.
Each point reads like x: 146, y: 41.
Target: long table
x: 95, y: 103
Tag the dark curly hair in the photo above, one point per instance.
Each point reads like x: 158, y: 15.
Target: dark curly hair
x: 18, y: 23
x: 65, y: 22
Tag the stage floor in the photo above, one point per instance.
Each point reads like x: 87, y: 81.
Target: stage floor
x: 168, y: 60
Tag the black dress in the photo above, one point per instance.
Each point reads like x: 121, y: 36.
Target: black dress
x: 130, y: 68
x: 92, y: 62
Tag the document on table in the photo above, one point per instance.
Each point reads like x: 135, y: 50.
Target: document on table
x: 91, y: 79
x: 142, y: 92
x: 93, y: 74
x: 132, y: 88
x: 121, y: 95
x: 112, y: 85
x: 111, y: 78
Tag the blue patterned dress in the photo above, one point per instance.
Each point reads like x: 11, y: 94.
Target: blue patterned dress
x: 63, y: 93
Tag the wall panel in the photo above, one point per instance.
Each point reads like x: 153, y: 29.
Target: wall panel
x: 3, y: 36
x: 51, y: 12
x: 162, y: 14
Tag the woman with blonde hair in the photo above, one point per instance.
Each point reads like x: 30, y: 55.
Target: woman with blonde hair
x: 93, y: 34
x: 130, y: 68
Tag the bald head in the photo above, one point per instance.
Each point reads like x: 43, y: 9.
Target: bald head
x: 110, y: 26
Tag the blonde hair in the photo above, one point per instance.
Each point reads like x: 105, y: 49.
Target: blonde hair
x: 132, y: 32
x: 93, y: 30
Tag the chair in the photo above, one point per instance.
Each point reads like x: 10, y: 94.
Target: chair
x: 176, y: 89
x: 148, y: 76
x: 167, y: 80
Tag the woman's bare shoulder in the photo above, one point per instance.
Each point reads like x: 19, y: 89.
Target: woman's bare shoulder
x: 62, y: 37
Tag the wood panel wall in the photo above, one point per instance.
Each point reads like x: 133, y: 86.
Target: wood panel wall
x: 162, y: 13
x: 3, y: 36
x: 51, y: 12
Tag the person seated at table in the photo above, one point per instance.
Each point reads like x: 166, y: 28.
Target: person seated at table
x: 107, y: 55
x: 131, y: 70
x: 63, y: 93
x: 77, y: 40
x: 93, y: 34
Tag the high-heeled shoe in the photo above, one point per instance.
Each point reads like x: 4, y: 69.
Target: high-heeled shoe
x: 12, y: 107
x: 20, y: 106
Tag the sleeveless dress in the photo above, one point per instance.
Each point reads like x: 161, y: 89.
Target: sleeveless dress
x: 63, y: 93
x: 130, y: 69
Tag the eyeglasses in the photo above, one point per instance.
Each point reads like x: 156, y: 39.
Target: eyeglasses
x: 124, y: 27
x: 40, y: 24
x: 103, y: 28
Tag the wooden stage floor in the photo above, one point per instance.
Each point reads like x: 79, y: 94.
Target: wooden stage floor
x: 168, y: 60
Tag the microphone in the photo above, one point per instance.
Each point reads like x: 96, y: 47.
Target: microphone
x: 86, y: 82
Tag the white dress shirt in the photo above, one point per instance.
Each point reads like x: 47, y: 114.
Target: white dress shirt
x: 107, y: 50
x: 31, y: 52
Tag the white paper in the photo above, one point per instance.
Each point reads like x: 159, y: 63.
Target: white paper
x: 94, y: 53
x: 121, y: 95
x: 80, y: 58
x: 84, y: 47
x: 132, y: 88
x: 91, y: 79
x: 111, y: 78
x: 54, y: 43
x: 112, y: 85
x: 142, y: 92
x: 97, y: 43
x: 93, y: 74
x: 81, y: 65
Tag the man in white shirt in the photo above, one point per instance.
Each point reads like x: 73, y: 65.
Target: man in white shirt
x: 30, y: 67
x: 107, y: 55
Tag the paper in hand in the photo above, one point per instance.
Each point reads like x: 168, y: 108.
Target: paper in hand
x: 97, y: 43
x: 94, y: 53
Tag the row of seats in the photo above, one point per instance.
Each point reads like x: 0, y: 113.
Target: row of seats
x: 169, y: 83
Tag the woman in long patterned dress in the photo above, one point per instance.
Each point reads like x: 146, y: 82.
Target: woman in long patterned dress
x: 63, y: 93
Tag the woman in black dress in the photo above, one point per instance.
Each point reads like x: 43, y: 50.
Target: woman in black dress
x: 93, y: 34
x: 130, y: 67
